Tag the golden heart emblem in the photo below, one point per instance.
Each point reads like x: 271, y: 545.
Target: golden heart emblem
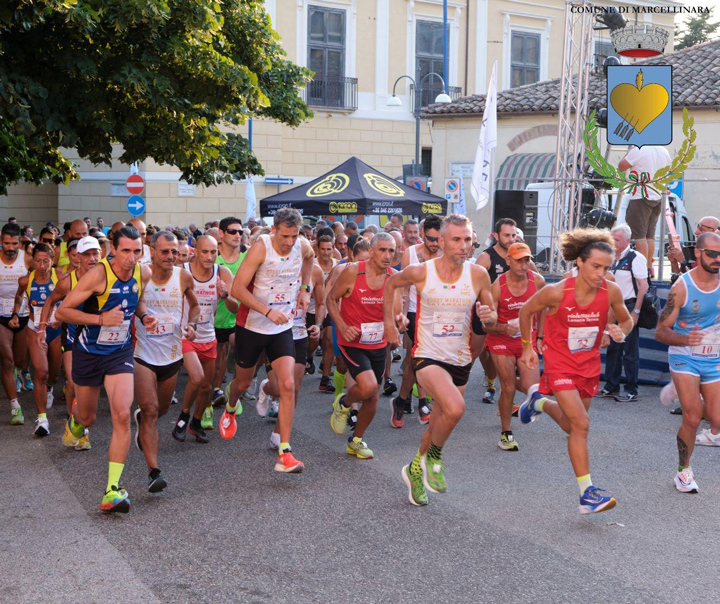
x: 639, y: 105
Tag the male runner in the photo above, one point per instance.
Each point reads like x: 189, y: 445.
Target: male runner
x: 103, y: 352
x: 689, y: 325
x: 510, y: 292
x: 448, y: 288
x: 212, y: 286
x: 78, y: 229
x: 158, y: 351
x: 266, y: 286
x: 416, y: 254
x: 341, y: 245
x: 141, y: 228
x: 411, y: 234
x: 14, y: 264
x: 326, y: 262
x: 575, y: 322
x: 361, y: 337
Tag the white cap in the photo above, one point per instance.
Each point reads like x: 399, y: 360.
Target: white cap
x: 86, y: 244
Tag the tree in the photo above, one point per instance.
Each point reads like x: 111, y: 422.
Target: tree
x: 165, y: 79
x: 695, y: 31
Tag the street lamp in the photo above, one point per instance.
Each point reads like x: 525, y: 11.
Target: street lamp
x: 394, y: 101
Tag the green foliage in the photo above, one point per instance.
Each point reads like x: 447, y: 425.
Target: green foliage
x: 164, y: 79
x: 696, y: 30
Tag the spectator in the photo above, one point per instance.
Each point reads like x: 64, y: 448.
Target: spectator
x: 196, y: 232
x: 13, y: 220
x: 101, y: 225
x: 88, y: 222
x: 707, y: 224
x: 643, y: 213
x: 630, y: 271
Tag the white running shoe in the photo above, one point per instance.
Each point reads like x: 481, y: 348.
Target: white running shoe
x: 685, y: 481
x: 263, y: 400
x: 275, y: 441
x: 50, y: 397
x: 42, y: 426
x: 249, y: 394
x: 274, y: 408
x: 707, y: 439
x: 669, y: 396
x: 174, y: 399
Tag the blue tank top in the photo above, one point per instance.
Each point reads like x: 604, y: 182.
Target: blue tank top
x: 96, y: 339
x: 72, y: 329
x: 700, y: 308
x: 37, y: 293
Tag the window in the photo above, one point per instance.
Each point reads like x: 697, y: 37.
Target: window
x: 426, y: 162
x: 326, y: 56
x: 524, y: 58
x: 603, y: 50
x: 429, y: 59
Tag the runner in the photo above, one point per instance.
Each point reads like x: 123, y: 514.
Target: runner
x: 361, y: 338
x: 266, y: 286
x: 103, y: 351
x: 448, y: 288
x: 510, y: 291
x: 139, y: 225
x: 326, y: 262
x: 38, y: 285
x: 14, y: 264
x: 411, y: 234
x: 158, y: 351
x: 212, y: 284
x: 416, y: 254
x: 689, y: 325
x: 574, y: 325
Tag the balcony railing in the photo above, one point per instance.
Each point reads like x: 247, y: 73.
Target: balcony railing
x: 339, y: 94
x: 429, y: 93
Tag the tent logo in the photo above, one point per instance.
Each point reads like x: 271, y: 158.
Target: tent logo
x: 383, y: 185
x: 432, y: 208
x: 343, y: 207
x: 331, y: 184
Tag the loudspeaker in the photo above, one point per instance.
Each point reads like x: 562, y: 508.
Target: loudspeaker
x: 522, y: 207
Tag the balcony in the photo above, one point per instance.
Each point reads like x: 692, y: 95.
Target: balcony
x: 331, y: 94
x: 429, y: 93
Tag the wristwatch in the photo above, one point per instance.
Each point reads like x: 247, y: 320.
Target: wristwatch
x: 636, y: 311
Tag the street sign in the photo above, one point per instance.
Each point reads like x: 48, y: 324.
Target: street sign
x: 677, y: 187
x: 136, y: 205
x: 135, y: 184
x: 417, y: 182
x: 452, y: 190
x: 272, y: 180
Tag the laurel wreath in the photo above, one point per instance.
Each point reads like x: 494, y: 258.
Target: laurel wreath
x: 661, y: 179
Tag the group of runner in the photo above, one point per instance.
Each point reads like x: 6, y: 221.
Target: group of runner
x: 128, y: 322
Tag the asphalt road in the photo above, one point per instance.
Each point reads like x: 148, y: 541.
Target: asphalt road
x: 229, y: 529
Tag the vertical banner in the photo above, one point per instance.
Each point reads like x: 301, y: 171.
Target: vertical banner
x: 251, y: 199
x: 482, y: 172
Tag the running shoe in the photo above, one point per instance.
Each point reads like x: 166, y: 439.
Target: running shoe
x: 685, y: 481
x: 263, y: 400
x: 390, y: 387
x: 318, y: 351
x: 309, y: 367
x: 408, y: 406
x: 83, y: 443
x: 396, y: 356
x: 707, y: 439
x: 208, y: 418
x: 180, y: 430
x: 218, y: 397
x: 605, y: 393
x: 433, y: 474
x: 69, y: 439
x: 16, y: 417
x: 396, y: 413
x: 507, y: 442
x: 416, y: 488
x: 42, y: 426
x: 138, y: 419
x: 228, y: 425
x: 249, y: 394
x: 50, y: 397
x: 29, y: 386
x: 238, y: 404
x: 197, y: 431
x: 156, y: 482
x: 424, y: 412
x: 358, y: 449
x: 676, y: 411
x: 274, y: 408
x: 352, y: 419
x: 326, y: 384
x: 594, y: 500
x: 626, y: 397
x: 515, y: 410
x: 287, y: 463
x: 18, y: 384
x: 527, y: 412
x: 669, y: 395
x: 489, y: 396
x: 339, y: 417
x: 115, y: 500
x: 174, y: 399
x: 275, y: 441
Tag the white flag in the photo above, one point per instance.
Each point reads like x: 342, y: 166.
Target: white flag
x: 481, y: 179
x: 251, y: 199
x: 460, y: 205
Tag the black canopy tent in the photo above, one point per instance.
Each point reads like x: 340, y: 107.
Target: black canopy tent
x: 355, y: 188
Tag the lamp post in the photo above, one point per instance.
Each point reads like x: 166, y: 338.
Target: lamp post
x: 394, y: 101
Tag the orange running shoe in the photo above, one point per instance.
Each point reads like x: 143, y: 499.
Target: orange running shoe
x: 287, y: 463
x: 228, y: 425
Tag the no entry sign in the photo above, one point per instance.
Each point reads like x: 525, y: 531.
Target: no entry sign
x: 135, y: 184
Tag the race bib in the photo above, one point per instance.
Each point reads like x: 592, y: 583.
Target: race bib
x: 8, y: 307
x: 706, y: 351
x: 448, y: 324
x: 165, y: 327
x: 280, y: 296
x: 37, y: 311
x: 112, y: 336
x: 371, y: 333
x: 581, y: 339
x: 204, y: 317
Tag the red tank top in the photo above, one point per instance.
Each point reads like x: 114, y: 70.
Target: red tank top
x: 363, y: 309
x: 573, y: 334
x: 509, y: 308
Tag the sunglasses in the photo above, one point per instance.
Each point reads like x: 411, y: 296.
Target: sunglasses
x: 699, y: 226
x: 431, y: 239
x: 476, y: 245
x: 233, y: 231
x: 710, y: 253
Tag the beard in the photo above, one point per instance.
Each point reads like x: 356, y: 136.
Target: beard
x: 713, y: 270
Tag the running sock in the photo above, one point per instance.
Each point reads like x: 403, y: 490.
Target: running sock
x: 434, y: 452
x: 154, y: 473
x: 584, y: 482
x: 42, y: 415
x: 681, y: 468
x: 491, y: 383
x: 76, y: 428
x: 339, y: 381
x: 230, y: 409
x: 194, y: 423
x: 356, y: 439
x: 14, y: 403
x: 415, y: 467
x: 114, y: 472
x: 184, y: 416
x: 284, y: 448
x: 539, y: 404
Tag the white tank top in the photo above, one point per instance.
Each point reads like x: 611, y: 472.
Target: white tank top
x: 299, y: 324
x: 275, y: 284
x: 166, y: 302
x: 412, y: 292
x: 311, y: 308
x: 9, y: 276
x: 207, y: 297
x: 442, y: 330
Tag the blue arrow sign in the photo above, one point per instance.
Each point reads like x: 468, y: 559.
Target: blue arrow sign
x: 269, y: 180
x: 136, y: 205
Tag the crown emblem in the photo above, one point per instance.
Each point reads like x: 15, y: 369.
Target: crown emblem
x: 639, y: 41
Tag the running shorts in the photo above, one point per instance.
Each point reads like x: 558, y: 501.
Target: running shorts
x: 90, y: 369
x: 301, y: 349
x: 506, y: 346
x: 222, y: 334
x: 23, y: 323
x: 249, y: 345
x: 412, y: 319
x: 206, y: 351
x: 587, y: 386
x: 477, y: 324
x: 336, y: 346
x: 460, y: 374
x: 708, y: 370
x: 363, y: 359
x: 163, y: 372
